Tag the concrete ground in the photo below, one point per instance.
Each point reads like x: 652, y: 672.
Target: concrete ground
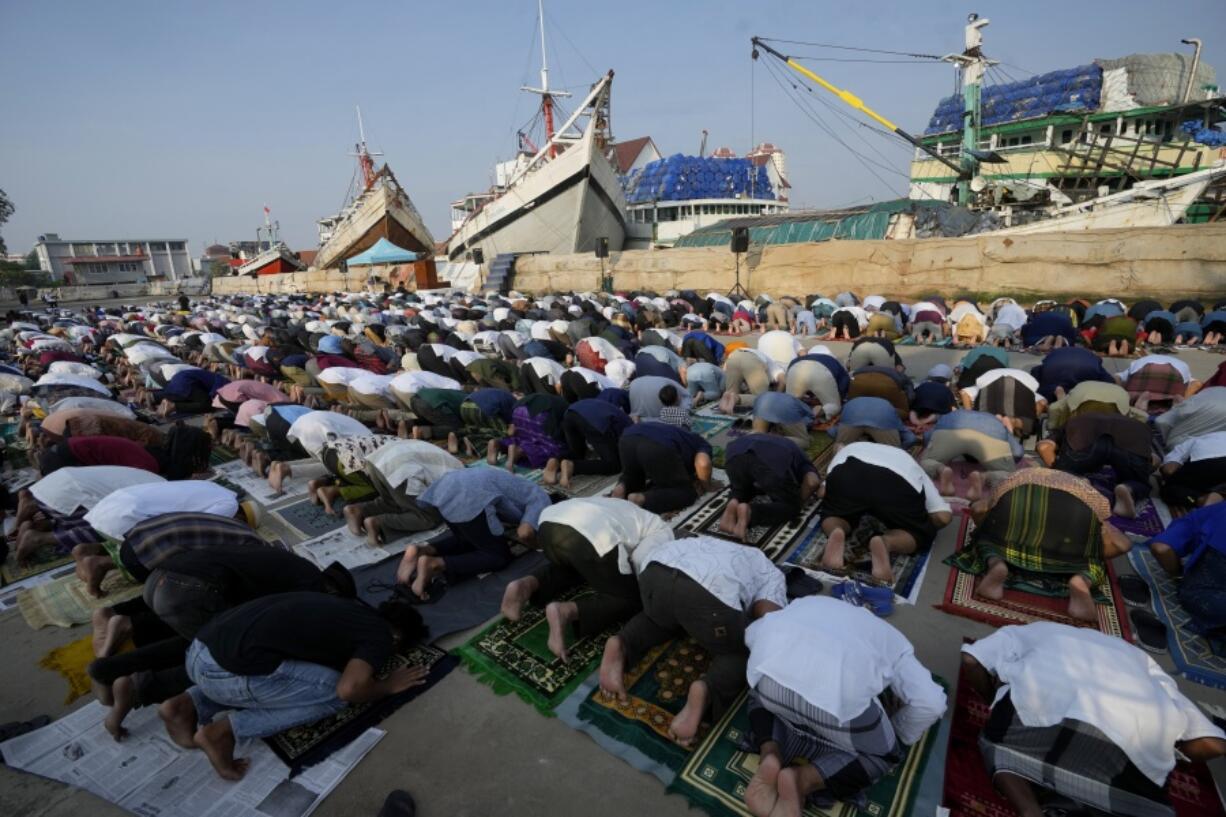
x: 462, y: 750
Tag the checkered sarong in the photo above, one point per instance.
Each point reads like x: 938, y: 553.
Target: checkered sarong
x: 1073, y: 759
x: 1161, y: 380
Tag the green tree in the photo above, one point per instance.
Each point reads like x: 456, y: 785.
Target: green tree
x: 6, y: 210
x: 32, y: 260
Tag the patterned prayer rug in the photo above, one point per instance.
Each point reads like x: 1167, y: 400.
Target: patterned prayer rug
x: 64, y: 602
x: 656, y: 691
x: 908, y: 569
x: 304, y: 746
x: 711, y: 425
x: 969, y: 791
x: 513, y: 656
x: 586, y: 485
x: 1147, y: 524
x: 43, y: 560
x: 716, y: 774
x: 773, y: 540
x: 1024, y: 606
x: 1194, y: 655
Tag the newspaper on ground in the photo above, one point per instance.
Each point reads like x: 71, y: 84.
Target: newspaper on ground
x: 237, y: 474
x: 150, y: 776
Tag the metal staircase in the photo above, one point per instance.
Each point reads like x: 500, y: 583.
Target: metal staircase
x: 502, y: 271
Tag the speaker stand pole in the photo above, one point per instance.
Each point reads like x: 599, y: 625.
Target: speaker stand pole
x: 737, y: 290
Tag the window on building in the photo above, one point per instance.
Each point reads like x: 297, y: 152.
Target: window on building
x: 1066, y: 136
x: 157, y: 246
x: 82, y: 249
x: 176, y: 246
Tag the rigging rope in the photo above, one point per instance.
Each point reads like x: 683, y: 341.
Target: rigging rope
x: 852, y: 48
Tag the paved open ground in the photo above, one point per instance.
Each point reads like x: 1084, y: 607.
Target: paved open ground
x: 461, y: 749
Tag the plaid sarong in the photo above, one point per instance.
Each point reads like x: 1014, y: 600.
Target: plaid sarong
x: 1072, y: 758
x: 1162, y: 380
x: 479, y: 428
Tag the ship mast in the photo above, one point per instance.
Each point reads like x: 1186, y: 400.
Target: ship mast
x: 974, y: 65
x: 546, y: 95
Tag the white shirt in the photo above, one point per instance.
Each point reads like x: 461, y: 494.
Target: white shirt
x: 412, y: 464
x: 67, y: 489
x: 926, y: 306
x: 73, y: 368
x: 839, y: 658
x: 991, y: 376
x: 613, y: 523
x: 93, y: 404
x: 413, y: 382
x: 51, y: 379
x: 962, y: 309
x: 540, y: 330
x: 1054, y: 671
x: 593, y: 376
x: 898, y: 461
x: 1205, y: 447
x: 311, y: 430
x: 619, y: 371
x: 1011, y: 315
x: 601, y: 347
x: 860, y: 315
x: 773, y: 368
x: 1149, y: 360
x: 145, y: 352
x: 736, y: 575
x: 117, y: 512
x: 373, y: 384
x: 547, y: 369
x: 341, y: 375
x: 780, y: 346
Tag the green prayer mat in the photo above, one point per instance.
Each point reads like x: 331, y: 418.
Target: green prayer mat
x: 656, y: 691
x: 220, y: 455
x: 717, y: 772
x: 44, y: 559
x: 513, y: 656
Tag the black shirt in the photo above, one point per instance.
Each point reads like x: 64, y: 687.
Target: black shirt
x: 254, y: 638
x: 242, y: 572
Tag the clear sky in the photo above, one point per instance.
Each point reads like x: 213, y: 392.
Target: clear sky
x: 160, y: 118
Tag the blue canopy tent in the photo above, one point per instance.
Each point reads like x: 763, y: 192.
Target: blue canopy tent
x: 382, y: 252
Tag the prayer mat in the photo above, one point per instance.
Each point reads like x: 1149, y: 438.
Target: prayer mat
x: 773, y: 540
x: 309, y: 519
x: 908, y: 569
x: 716, y: 774
x: 969, y: 791
x: 44, y: 559
x: 1147, y: 523
x: 220, y: 455
x: 1196, y: 658
x: 1034, y: 603
x: 304, y: 746
x: 708, y: 425
x: 586, y: 485
x: 533, y: 474
x: 820, y: 450
x: 656, y: 690
x: 64, y: 602
x: 513, y: 656
x: 71, y: 660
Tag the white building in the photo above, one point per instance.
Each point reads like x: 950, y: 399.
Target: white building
x: 113, y: 261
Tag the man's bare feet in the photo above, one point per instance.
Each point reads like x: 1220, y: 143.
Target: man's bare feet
x: 408, y: 564
x: 217, y: 741
x: 118, y: 628
x: 560, y: 614
x: 516, y: 596
x: 427, y: 568
x: 278, y: 472
x: 992, y: 585
x: 354, y: 519
x: 880, y: 554
x: 791, y: 800
x: 833, y: 554
x: 491, y: 452
x: 1125, y: 505
x: 641, y: 500
x: 761, y: 794
x: 313, y: 489
x: 945, y: 481
x: 1080, y: 601
x: 727, y: 520
x: 727, y: 403
x: 453, y: 444
x: 549, y: 476
x: 512, y: 457
x: 421, y: 433
x: 92, y: 570
x: 98, y: 621
x: 567, y: 473
x: 743, y: 512
x: 374, y: 535
x: 619, y: 491
x: 613, y: 668
x: 179, y: 716
x: 122, y: 695
x: 684, y: 727
x: 974, y: 489
x: 327, y: 495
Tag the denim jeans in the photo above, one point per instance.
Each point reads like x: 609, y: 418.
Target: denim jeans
x: 296, y: 692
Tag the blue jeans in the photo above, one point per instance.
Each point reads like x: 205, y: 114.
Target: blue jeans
x: 296, y: 692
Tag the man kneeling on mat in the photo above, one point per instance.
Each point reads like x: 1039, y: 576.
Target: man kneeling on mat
x: 1084, y: 714
x: 771, y: 466
x: 846, y: 728
x: 599, y: 541
x: 706, y: 588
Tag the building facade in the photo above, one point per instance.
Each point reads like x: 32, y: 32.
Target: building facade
x: 114, y: 261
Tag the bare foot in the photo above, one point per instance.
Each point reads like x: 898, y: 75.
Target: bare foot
x: 374, y: 535
x: 313, y: 488
x: 640, y: 500
x: 122, y: 694
x: 619, y: 491
x: 684, y: 727
x: 1125, y: 505
x: 453, y: 444
x: 1080, y: 602
x: 354, y: 519
x: 727, y: 520
x: 945, y: 481
x: 408, y: 563
x: 327, y: 495
x: 880, y: 554
x: 568, y: 471
x: 179, y: 715
x: 278, y: 472
x: 761, y: 793
x: 491, y: 453
x: 832, y: 555
x: 516, y: 596
x: 743, y: 512
x: 550, y: 475
x: 992, y: 585
x: 427, y: 568
x: 118, y: 628
x: 791, y: 802
x: 217, y: 741
x: 612, y: 669
x: 975, y: 489
x: 98, y: 622
x: 102, y: 692
x: 727, y: 403
x: 560, y: 614
x: 92, y: 570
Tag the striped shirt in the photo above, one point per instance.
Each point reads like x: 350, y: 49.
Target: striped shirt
x: 157, y: 538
